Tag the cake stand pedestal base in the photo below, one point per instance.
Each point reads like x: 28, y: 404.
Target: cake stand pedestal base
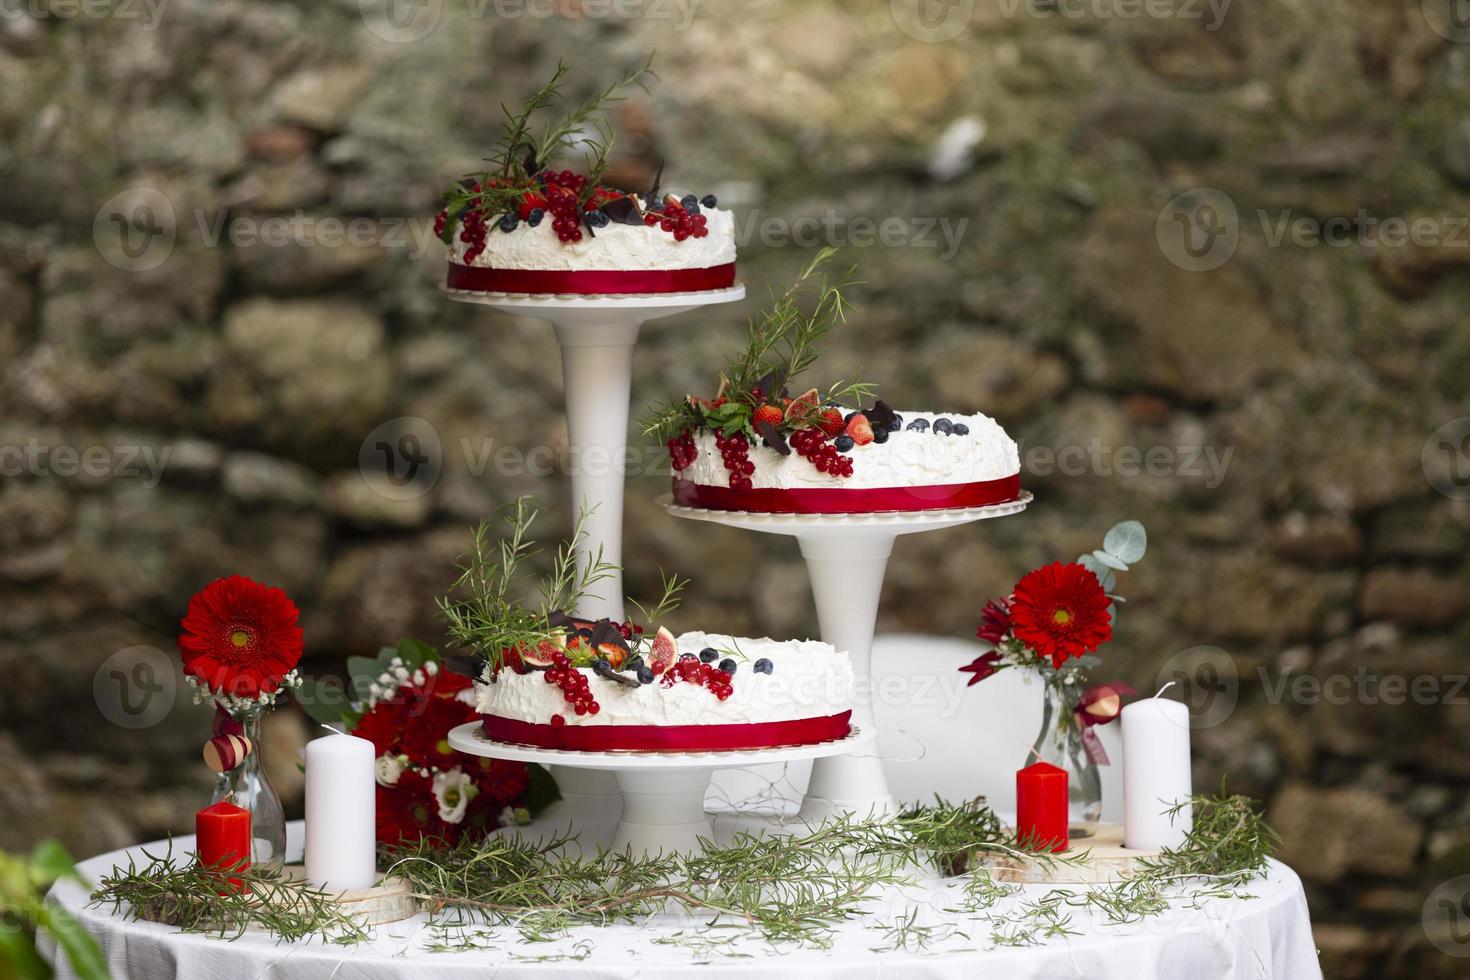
x: 846, y: 558
x: 662, y: 792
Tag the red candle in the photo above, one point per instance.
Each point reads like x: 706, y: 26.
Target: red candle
x: 1041, y: 807
x: 222, y: 832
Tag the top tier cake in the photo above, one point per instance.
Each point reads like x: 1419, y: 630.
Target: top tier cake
x: 521, y: 227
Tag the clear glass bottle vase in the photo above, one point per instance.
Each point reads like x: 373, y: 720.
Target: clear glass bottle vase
x: 248, y: 786
x: 1060, y: 743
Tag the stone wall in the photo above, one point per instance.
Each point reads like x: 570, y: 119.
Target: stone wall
x: 1134, y: 282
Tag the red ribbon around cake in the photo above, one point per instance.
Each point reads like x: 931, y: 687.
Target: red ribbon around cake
x: 590, y: 281
x: 669, y: 738
x: 840, y: 500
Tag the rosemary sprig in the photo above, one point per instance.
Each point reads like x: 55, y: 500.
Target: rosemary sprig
x: 483, y: 607
x: 179, y: 892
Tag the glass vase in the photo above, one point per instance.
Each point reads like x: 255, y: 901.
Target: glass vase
x: 1060, y: 743
x: 248, y: 786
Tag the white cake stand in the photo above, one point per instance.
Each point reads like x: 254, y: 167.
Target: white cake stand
x: 663, y: 792
x: 846, y: 557
x: 597, y: 334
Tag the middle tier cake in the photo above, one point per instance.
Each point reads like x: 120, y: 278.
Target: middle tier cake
x: 692, y: 693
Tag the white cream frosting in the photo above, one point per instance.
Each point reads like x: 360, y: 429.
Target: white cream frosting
x: 907, y: 459
x: 809, y: 679
x: 626, y: 248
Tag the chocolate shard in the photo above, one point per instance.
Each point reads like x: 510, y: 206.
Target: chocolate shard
x: 604, y: 631
x: 465, y: 664
x: 604, y: 669
x: 623, y: 211
x: 658, y: 179
x: 773, y: 438
x: 880, y: 415
x: 560, y: 620
x: 529, y: 162
x: 772, y: 383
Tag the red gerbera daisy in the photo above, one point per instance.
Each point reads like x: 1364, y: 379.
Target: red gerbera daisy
x: 1061, y: 611
x: 240, y: 637
x: 407, y: 811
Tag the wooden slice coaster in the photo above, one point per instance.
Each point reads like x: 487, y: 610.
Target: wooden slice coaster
x: 388, y: 901
x: 1106, y: 860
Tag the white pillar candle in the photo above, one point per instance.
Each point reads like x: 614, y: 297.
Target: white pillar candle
x: 1156, y: 774
x: 341, y: 837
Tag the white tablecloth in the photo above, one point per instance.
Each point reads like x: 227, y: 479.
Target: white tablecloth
x: 1264, y: 938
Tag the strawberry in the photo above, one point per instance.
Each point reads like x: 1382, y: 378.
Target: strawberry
x: 768, y: 413
x: 530, y: 202
x: 831, y: 422
x: 599, y: 197
x: 859, y: 429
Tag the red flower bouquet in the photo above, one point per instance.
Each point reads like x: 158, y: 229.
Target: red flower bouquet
x: 1058, y: 615
x: 240, y: 642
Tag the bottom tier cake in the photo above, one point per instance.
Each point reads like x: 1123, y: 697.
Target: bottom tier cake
x: 692, y: 693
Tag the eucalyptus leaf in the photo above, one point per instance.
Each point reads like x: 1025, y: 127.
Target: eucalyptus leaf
x: 1105, y: 576
x: 363, y: 671
x: 1126, y: 541
x: 415, y: 653
x: 1112, y: 561
x: 324, y: 700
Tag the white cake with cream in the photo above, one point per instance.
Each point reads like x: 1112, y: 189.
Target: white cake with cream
x: 710, y: 692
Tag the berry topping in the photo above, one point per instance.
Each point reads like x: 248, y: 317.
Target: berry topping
x: 880, y: 436
x: 597, y: 219
x: 943, y: 427
x: 645, y: 675
x: 859, y: 429
x: 716, y: 681
x: 709, y: 655
x: 961, y: 429
x: 689, y: 203
x: 709, y: 201
x: 768, y: 413
x: 508, y: 222
x: 763, y: 666
x: 895, y: 424
x: 557, y: 721
x: 661, y: 655
x: 735, y: 452
x: 843, y: 443
x: 534, y: 217
x: 832, y: 422
x: 918, y: 425
x: 682, y: 450
x: 688, y: 658
x: 727, y: 665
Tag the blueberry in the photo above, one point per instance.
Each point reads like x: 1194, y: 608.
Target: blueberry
x: 763, y: 666
x: 690, y: 203
x: 601, y: 664
x: 848, y: 417
x: 687, y: 656
x: 534, y: 218
x: 842, y: 443
x: 645, y: 675
x: 597, y: 219
x: 896, y: 424
x: 880, y: 436
x: 727, y: 665
x: 509, y: 222
x: 709, y: 200
x: 961, y: 429
x: 709, y: 655
x: 918, y: 425
x: 943, y: 427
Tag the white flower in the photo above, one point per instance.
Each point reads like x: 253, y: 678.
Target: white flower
x: 385, y: 679
x: 431, y: 668
x: 389, y: 768
x: 396, y: 662
x: 453, y: 790
x: 418, y: 678
x: 374, y: 690
x: 401, y: 673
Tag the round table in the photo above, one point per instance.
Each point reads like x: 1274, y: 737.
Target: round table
x: 1267, y: 937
